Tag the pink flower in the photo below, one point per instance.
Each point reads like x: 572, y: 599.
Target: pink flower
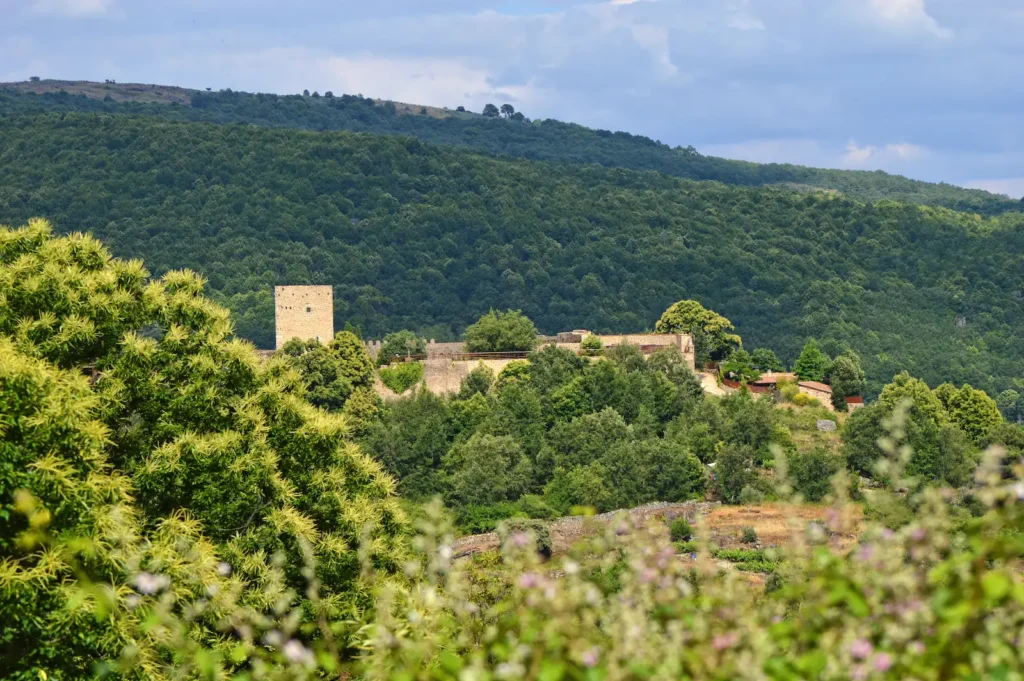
x: 858, y: 673
x: 520, y: 539
x: 861, y: 648
x: 529, y: 580
x: 591, y: 657
x: 918, y: 534
x: 916, y: 647
x: 882, y: 662
x: 648, y: 575
x: 724, y: 641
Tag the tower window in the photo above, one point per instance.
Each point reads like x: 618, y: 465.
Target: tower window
x: 308, y: 310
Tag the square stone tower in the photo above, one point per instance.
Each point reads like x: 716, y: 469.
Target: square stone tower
x: 305, y: 312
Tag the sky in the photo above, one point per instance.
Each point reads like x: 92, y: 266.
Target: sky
x: 931, y: 89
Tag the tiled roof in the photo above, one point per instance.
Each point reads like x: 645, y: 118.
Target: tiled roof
x: 815, y: 385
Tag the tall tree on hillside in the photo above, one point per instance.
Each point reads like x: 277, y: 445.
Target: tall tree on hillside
x: 846, y: 377
x: 812, y: 363
x: 686, y: 316
x: 507, y: 110
x: 765, y: 359
x: 496, y: 331
x: 490, y: 111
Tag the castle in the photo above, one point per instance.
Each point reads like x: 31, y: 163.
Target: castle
x: 304, y: 312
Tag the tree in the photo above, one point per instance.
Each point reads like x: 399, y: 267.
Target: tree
x: 921, y: 398
x: 460, y: 109
x: 733, y: 470
x: 765, y: 359
x: 305, y: 93
x: 399, y: 345
x: 577, y: 486
x: 738, y: 367
x: 507, y: 110
x: 518, y: 117
x: 479, y: 380
x: 846, y: 377
x: 1011, y: 405
x: 688, y: 315
x: 211, y: 443
x: 496, y: 331
x: 592, y: 345
x: 486, y: 469
x: 974, y: 412
x: 651, y: 470
x: 490, y: 111
x: 812, y: 363
x: 812, y: 473
x: 326, y: 386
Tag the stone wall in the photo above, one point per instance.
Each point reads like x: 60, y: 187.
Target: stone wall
x: 305, y: 312
x: 444, y: 376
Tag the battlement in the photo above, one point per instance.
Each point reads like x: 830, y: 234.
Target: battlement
x: 304, y: 312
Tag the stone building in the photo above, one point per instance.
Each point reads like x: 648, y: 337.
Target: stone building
x: 305, y: 312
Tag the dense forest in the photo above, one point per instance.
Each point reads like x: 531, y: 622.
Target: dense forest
x: 428, y: 238
x: 541, y: 140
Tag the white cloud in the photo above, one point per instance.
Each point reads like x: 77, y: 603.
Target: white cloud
x: 71, y: 8
x: 1009, y: 186
x: 907, y: 14
x: 858, y: 156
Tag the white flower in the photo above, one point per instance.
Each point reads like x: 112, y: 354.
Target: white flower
x: 446, y: 552
x: 223, y: 569
x: 571, y: 567
x: 296, y: 653
x: 149, y: 584
x: 132, y: 601
x: 1019, y: 489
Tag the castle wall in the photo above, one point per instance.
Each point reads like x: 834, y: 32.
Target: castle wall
x: 305, y: 312
x: 444, y: 376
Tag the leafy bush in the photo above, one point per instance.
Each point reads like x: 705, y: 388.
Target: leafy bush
x: 680, y: 530
x: 401, y: 377
x: 536, y: 529
x: 751, y: 496
x: 496, y: 331
x: 749, y: 535
x: 812, y: 473
x: 592, y: 345
x: 398, y: 345
x: 804, y: 400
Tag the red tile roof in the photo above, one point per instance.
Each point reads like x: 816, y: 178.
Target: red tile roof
x: 854, y: 399
x: 815, y: 385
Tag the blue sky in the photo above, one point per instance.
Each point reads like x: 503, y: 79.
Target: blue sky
x: 926, y: 88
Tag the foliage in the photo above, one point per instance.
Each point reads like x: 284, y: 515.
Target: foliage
x: 414, y: 236
x: 543, y: 140
x: 592, y: 345
x: 331, y: 373
x: 812, y: 363
x: 846, y: 377
x: 536, y: 530
x: 486, y: 469
x: 1011, y: 404
x: 750, y: 496
x: 399, y: 345
x: 577, y: 486
x: 496, y: 331
x: 516, y: 371
x: 765, y: 359
x: 749, y: 536
x: 183, y: 449
x: 733, y: 471
x: 680, y: 530
x: 972, y: 411
x: 738, y: 367
x: 812, y: 471
x: 686, y: 316
x: 400, y: 377
x: 478, y: 381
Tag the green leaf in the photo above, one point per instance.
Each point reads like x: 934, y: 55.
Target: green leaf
x: 996, y: 586
x: 551, y: 671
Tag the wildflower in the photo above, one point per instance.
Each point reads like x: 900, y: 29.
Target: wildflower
x: 724, y: 641
x: 296, y: 653
x: 149, y: 584
x: 866, y: 553
x: 1019, y: 489
x: 132, y: 601
x: 918, y: 534
x: 591, y: 657
x: 274, y: 638
x: 520, y: 539
x: 648, y: 575
x: 882, y: 662
x: 571, y: 567
x: 223, y: 569
x: 858, y: 673
x: 446, y: 552
x: 861, y: 648
x: 529, y: 580
x: 916, y: 647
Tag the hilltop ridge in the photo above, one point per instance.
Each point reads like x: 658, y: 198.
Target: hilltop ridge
x: 541, y: 140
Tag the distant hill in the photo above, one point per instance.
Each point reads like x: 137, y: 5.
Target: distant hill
x: 543, y: 140
x: 427, y: 237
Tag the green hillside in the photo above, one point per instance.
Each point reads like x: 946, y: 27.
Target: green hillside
x: 417, y: 236
x: 545, y: 140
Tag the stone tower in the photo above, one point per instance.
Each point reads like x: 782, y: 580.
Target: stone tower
x: 305, y: 312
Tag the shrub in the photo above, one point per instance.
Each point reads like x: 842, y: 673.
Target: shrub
x: 751, y: 496
x: 477, y: 519
x: 812, y: 473
x: 592, y: 345
x: 479, y: 380
x: 680, y: 530
x: 496, y: 331
x: 536, y: 529
x: 401, y: 377
x: 399, y: 345
x: 804, y: 400
x: 749, y: 535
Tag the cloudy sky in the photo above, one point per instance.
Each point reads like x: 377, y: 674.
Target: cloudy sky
x: 932, y: 89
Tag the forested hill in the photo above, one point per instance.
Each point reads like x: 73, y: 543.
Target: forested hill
x: 424, y: 237
x: 545, y: 140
